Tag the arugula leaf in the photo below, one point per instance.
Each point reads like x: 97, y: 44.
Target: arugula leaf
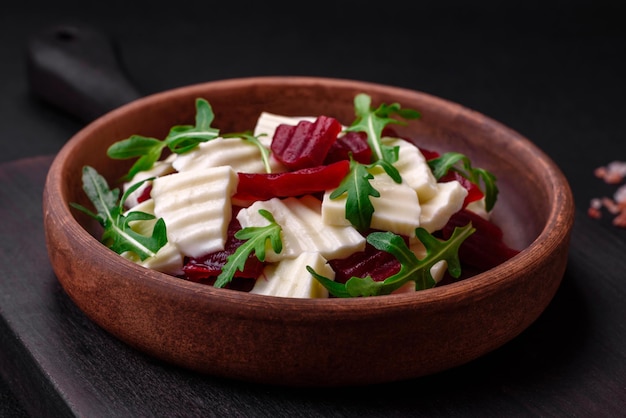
x: 411, y: 268
x: 356, y: 186
x: 180, y: 139
x: 248, y: 136
x: 373, y: 121
x: 257, y: 238
x: 118, y: 235
x: 441, y: 165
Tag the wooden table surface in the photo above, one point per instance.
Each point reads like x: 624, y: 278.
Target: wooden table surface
x: 554, y: 73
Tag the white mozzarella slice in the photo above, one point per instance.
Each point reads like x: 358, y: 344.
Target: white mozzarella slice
x: 396, y: 210
x: 437, y: 211
x: 196, y: 208
x: 413, y: 168
x: 303, y: 229
x: 167, y: 260
x: 243, y: 156
x: 160, y: 168
x: 290, y: 278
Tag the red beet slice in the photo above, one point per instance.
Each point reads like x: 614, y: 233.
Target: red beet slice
x: 262, y: 186
x: 429, y: 154
x: 369, y: 262
x: 305, y: 144
x: 210, y: 265
x: 145, y: 194
x: 354, y: 143
x: 484, y: 249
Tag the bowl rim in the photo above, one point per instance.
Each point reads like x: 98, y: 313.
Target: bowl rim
x: 554, y: 232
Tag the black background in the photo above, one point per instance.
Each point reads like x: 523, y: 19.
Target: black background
x: 553, y: 71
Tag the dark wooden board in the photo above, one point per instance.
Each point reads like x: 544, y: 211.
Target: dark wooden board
x: 570, y: 362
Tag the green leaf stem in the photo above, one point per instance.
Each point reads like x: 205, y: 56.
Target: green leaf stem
x: 118, y: 235
x: 411, y: 268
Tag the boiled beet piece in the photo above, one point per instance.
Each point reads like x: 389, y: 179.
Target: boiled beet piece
x: 145, y: 194
x: 354, y: 143
x: 305, y: 144
x: 369, y: 262
x: 262, y: 186
x: 429, y: 154
x: 210, y: 265
x: 484, y: 249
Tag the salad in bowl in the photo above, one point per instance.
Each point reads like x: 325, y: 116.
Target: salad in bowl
x: 300, y: 206
x: 306, y: 231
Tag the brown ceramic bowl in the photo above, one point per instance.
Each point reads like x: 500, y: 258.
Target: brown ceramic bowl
x: 317, y: 342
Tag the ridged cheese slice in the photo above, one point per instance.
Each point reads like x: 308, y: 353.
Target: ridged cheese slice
x: 168, y: 259
x: 396, y: 210
x: 196, y: 208
x: 303, y: 229
x: 437, y: 211
x: 290, y: 278
x: 160, y: 168
x: 243, y: 156
x: 413, y: 168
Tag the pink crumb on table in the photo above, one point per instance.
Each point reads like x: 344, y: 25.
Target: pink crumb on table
x: 612, y: 173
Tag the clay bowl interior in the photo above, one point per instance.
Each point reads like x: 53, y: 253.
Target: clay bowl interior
x: 321, y: 342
